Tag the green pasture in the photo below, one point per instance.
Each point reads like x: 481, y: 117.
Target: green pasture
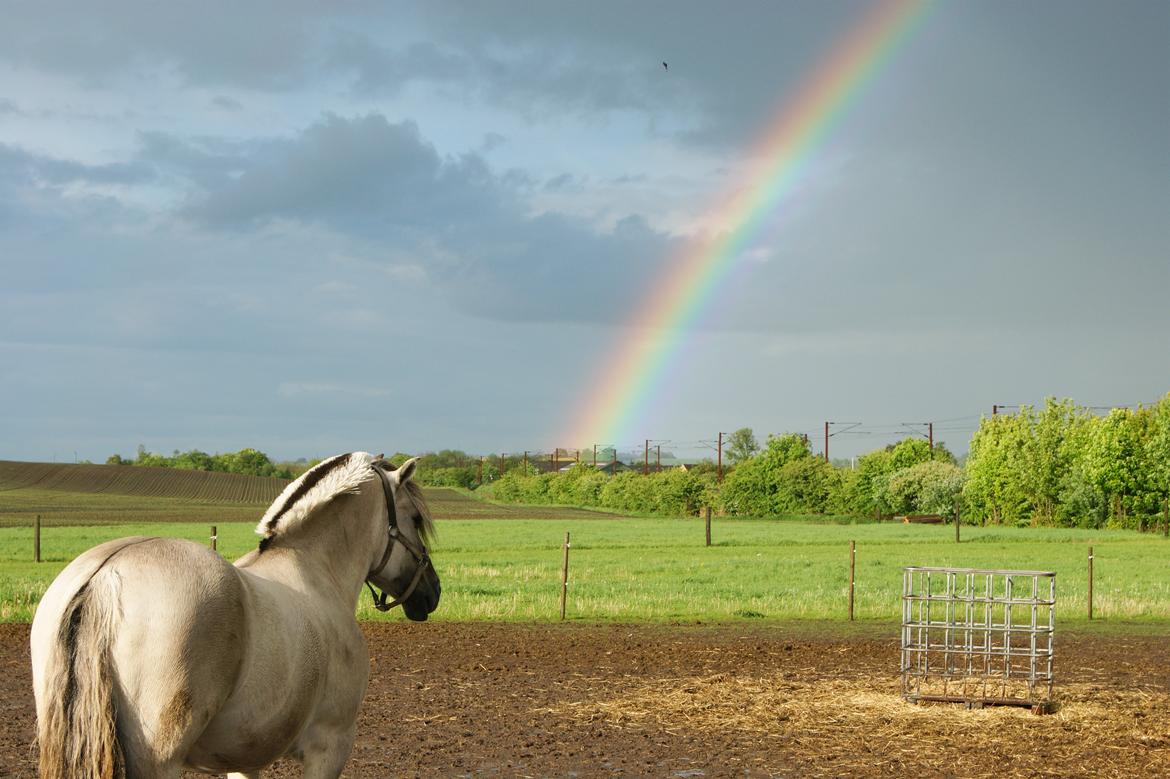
x: 659, y: 570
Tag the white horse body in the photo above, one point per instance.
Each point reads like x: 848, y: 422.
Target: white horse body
x: 201, y: 664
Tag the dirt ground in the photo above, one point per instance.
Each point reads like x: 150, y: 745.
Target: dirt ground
x: 502, y: 700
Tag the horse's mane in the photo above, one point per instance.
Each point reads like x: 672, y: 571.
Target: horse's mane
x: 426, y: 525
x: 339, y: 475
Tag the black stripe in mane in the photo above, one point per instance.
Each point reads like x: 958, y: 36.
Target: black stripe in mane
x: 308, y: 481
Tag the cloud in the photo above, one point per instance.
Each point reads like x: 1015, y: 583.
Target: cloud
x: 38, y: 170
x: 465, y: 226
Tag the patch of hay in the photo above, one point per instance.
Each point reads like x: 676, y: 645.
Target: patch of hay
x: 866, y: 728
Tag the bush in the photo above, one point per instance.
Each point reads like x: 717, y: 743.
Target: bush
x: 931, y: 487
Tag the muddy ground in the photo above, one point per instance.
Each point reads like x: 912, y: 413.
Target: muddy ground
x: 487, y: 700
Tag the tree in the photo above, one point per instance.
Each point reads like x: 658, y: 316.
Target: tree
x: 995, y: 488
x: 931, y: 487
x: 803, y: 486
x: 752, y: 486
x: 741, y: 445
x: 909, y: 451
x: 1158, y: 448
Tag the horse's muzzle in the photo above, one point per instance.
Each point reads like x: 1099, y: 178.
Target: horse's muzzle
x: 424, y: 599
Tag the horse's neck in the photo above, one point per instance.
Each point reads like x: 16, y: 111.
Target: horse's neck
x: 329, y: 556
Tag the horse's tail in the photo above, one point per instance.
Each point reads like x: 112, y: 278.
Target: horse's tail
x: 77, y: 732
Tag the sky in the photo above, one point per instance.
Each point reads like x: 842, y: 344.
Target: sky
x: 313, y: 228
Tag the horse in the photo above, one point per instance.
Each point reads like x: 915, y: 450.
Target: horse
x: 154, y: 655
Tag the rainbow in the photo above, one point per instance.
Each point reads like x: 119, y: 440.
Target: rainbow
x: 631, y: 374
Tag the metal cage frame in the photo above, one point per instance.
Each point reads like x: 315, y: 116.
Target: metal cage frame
x: 978, y: 636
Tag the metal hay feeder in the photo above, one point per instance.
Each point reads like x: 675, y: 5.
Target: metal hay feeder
x: 977, y: 636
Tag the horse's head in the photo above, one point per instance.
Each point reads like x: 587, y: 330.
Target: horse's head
x: 403, y: 566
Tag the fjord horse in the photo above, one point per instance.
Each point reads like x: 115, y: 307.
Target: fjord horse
x: 151, y: 655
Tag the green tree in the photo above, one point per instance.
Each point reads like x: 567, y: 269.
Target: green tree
x: 1044, y: 458
x: 996, y: 489
x: 751, y: 488
x: 931, y: 487
x: 803, y: 486
x: 1080, y: 499
x: 1158, y: 449
x: 910, y: 451
x: 1114, y: 455
x: 741, y: 445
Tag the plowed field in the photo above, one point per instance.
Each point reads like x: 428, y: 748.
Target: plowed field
x: 471, y: 700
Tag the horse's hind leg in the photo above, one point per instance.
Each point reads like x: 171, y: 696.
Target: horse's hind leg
x: 141, y: 767
x: 325, y: 754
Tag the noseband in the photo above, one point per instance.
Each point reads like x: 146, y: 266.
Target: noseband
x: 417, y: 551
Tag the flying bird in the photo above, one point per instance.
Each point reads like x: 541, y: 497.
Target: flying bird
x: 665, y: 66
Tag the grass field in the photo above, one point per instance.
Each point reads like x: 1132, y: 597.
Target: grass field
x: 659, y: 570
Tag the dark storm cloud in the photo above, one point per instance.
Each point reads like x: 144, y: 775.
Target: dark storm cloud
x: 468, y: 226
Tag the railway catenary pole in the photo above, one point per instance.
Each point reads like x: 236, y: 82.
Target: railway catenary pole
x: 658, y: 458
x: 595, y: 455
x: 719, y: 467
x: 525, y: 462
x: 646, y: 459
x: 826, y: 442
x: 930, y: 435
x: 613, y: 467
x: 479, y: 471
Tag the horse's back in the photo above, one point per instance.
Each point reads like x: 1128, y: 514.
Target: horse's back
x: 175, y: 605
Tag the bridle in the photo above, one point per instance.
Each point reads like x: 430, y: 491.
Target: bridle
x: 417, y: 551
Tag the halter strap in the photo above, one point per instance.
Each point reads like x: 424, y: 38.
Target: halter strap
x: 422, y: 560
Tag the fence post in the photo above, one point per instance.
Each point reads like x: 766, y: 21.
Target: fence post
x: 957, y: 522
x: 565, y: 576
x: 1090, y: 582
x: 37, y: 539
x: 1166, y: 518
x: 852, y: 566
x: 708, y: 526
x: 214, y: 538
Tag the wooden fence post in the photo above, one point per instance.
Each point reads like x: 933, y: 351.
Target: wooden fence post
x: 565, y: 576
x: 852, y: 561
x: 1090, y: 582
x: 957, y: 522
x: 1166, y: 518
x: 214, y: 538
x: 37, y: 539
x: 708, y: 526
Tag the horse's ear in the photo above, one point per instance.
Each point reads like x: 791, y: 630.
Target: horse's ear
x: 405, y: 471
